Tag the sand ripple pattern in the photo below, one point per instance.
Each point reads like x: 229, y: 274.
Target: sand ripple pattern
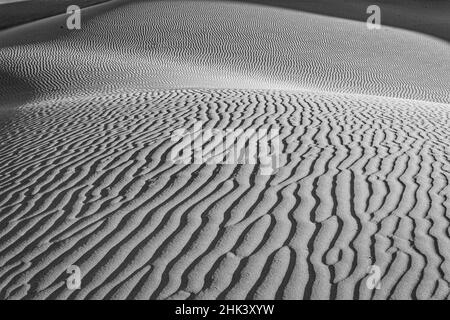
x: 88, y: 181
x: 214, y: 44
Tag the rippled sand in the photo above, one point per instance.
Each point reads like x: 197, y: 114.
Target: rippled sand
x: 86, y: 178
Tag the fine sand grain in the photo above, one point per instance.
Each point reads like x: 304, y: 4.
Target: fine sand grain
x: 86, y: 177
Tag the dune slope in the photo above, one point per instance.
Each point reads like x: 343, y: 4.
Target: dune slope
x: 179, y: 44
x: 86, y: 176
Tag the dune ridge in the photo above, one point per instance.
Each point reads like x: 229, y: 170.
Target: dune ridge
x: 86, y: 177
x: 197, y: 44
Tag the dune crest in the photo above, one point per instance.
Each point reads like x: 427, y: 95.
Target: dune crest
x: 186, y: 44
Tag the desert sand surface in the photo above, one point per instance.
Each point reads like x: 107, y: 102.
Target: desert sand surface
x: 426, y: 16
x: 86, y: 177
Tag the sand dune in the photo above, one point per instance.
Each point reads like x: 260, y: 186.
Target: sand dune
x: 86, y: 177
x: 187, y: 44
x: 426, y: 16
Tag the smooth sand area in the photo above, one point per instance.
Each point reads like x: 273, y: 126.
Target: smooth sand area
x: 425, y: 16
